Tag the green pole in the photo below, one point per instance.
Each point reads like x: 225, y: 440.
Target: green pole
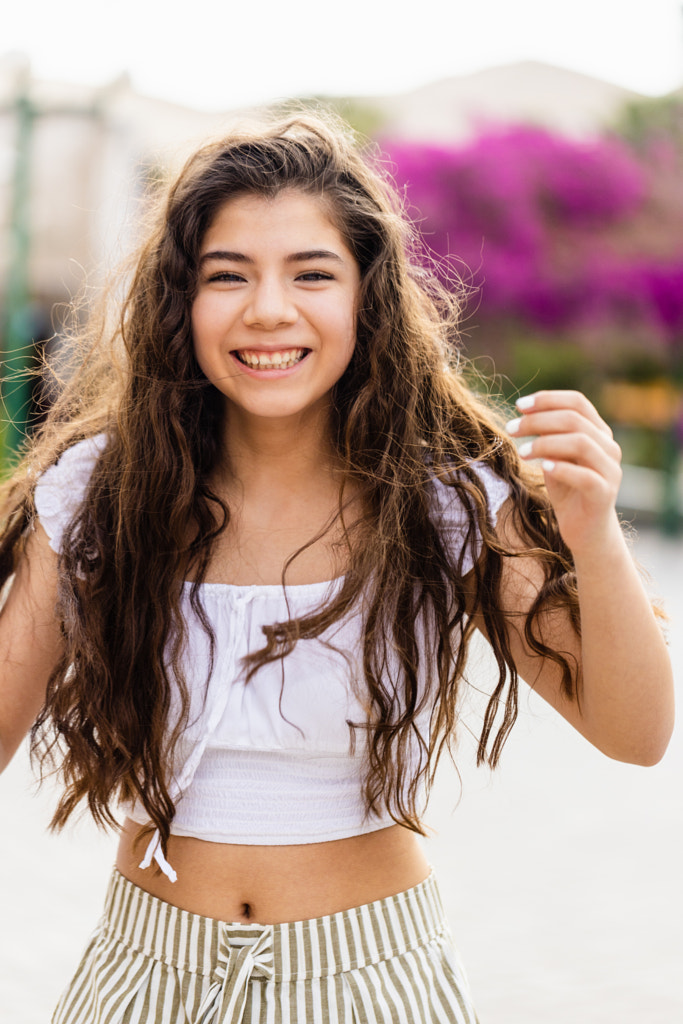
x: 670, y: 516
x: 17, y: 327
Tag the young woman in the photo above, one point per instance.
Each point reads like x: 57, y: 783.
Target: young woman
x: 249, y: 550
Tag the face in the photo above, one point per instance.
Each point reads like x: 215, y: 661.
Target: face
x: 273, y: 319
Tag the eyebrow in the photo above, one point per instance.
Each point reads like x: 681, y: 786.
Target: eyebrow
x: 295, y: 257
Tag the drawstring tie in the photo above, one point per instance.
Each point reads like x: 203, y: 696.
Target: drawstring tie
x: 236, y: 963
x: 154, y: 852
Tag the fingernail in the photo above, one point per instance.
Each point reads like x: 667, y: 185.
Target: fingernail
x: 513, y: 426
x: 526, y: 402
x: 525, y: 449
x: 548, y: 466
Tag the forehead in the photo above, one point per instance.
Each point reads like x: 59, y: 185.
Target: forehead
x: 288, y: 218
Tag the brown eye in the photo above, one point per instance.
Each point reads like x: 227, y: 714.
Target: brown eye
x: 226, y: 275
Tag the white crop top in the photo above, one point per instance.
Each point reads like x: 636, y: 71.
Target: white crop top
x: 268, y: 762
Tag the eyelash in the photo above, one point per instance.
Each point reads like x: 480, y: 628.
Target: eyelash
x: 315, y: 275
x: 226, y: 275
x: 230, y: 276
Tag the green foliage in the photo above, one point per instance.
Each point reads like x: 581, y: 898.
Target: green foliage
x: 641, y: 446
x: 535, y: 364
x: 365, y: 119
x: 640, y: 366
x: 648, y: 121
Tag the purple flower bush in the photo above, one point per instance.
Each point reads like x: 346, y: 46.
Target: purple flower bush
x: 550, y: 232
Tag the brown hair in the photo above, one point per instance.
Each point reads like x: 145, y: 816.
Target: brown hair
x: 403, y: 416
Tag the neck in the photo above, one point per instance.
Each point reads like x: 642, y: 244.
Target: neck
x: 279, y: 454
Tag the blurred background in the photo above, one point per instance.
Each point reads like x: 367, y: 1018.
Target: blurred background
x: 540, y: 150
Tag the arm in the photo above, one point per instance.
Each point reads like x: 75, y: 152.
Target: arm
x: 626, y: 706
x: 29, y: 642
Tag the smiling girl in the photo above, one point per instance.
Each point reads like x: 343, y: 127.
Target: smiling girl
x: 249, y: 550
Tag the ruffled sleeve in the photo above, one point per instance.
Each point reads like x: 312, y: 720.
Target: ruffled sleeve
x: 453, y: 518
x: 61, y: 488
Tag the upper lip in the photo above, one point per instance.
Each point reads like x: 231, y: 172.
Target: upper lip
x: 267, y: 350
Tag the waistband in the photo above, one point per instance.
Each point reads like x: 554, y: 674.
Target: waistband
x: 294, y: 951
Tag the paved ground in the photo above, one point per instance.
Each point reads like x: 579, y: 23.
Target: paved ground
x: 561, y: 874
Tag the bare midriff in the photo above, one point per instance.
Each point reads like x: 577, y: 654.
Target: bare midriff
x: 274, y: 884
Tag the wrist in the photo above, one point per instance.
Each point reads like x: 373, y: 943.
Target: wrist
x: 600, y: 546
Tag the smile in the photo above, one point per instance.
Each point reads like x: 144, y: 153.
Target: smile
x: 283, y: 360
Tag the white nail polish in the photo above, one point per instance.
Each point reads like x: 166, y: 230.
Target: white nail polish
x: 548, y: 465
x: 513, y: 426
x: 525, y: 449
x: 526, y: 402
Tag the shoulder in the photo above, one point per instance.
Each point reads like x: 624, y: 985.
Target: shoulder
x: 454, y: 506
x: 61, y: 488
x: 459, y: 516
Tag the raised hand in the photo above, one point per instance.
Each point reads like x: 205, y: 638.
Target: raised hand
x: 626, y: 685
x: 580, y: 459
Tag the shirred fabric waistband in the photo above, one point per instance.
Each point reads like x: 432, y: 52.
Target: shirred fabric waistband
x: 294, y: 951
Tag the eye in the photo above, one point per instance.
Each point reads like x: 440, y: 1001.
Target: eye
x: 229, y: 276
x: 315, y: 275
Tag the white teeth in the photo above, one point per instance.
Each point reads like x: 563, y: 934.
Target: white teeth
x: 272, y: 360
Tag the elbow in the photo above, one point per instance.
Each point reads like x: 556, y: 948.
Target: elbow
x: 642, y: 737
x: 658, y: 742
x: 7, y: 752
x: 651, y: 756
x: 646, y: 752
x: 647, y: 759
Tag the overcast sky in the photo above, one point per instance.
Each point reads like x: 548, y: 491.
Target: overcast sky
x: 220, y: 55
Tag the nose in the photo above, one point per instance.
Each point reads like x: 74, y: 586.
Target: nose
x: 270, y: 305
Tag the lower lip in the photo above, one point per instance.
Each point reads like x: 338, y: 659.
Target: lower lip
x: 275, y: 374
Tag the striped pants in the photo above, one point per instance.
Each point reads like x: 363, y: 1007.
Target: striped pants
x: 386, y: 962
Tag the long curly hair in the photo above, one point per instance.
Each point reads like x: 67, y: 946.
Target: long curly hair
x: 402, y: 416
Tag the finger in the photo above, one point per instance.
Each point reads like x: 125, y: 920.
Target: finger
x: 543, y: 401
x: 591, y: 485
x: 579, y: 449
x: 560, y: 421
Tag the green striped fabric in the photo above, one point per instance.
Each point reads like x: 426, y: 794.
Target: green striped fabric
x: 386, y: 962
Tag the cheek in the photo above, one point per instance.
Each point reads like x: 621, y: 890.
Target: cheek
x: 202, y: 317
x: 203, y: 330
x: 346, y: 328
x: 196, y: 319
x: 343, y: 343
x: 208, y: 325
x: 352, y: 333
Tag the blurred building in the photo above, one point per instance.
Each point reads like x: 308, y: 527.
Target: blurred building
x: 87, y: 155
x: 526, y: 92
x: 82, y: 158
